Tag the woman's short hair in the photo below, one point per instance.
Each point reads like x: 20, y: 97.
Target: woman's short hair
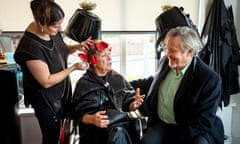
x: 46, y: 12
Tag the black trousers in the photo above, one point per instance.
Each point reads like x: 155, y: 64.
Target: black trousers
x: 50, y: 128
x: 162, y: 133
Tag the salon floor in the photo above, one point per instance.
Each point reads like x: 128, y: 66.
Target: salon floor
x: 235, y: 140
x: 232, y: 140
x: 30, y: 131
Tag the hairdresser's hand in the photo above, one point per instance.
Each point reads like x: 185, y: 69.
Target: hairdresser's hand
x: 138, y: 100
x: 83, y: 46
x: 80, y: 66
x: 86, y: 45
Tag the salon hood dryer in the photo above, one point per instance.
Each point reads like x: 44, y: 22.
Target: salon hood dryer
x: 171, y: 18
x: 82, y: 25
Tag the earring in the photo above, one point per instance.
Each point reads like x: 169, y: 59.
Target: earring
x: 42, y: 30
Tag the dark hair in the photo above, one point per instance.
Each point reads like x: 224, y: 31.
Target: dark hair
x: 46, y: 12
x: 92, y: 51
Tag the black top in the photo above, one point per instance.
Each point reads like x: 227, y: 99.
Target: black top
x: 53, y: 53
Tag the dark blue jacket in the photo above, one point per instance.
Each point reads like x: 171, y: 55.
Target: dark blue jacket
x: 196, y: 102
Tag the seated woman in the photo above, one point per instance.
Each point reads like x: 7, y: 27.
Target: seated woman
x: 99, y: 91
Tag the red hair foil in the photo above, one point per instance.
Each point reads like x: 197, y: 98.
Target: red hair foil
x: 101, y: 46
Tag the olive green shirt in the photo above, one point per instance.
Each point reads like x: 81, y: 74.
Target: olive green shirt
x: 166, y: 95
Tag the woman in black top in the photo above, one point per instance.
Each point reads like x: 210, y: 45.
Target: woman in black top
x: 42, y: 56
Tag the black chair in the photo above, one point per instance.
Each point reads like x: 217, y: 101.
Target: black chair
x: 9, y: 97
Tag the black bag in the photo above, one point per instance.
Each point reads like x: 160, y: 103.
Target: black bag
x: 135, y: 118
x: 140, y: 126
x: 116, y: 117
x: 139, y: 122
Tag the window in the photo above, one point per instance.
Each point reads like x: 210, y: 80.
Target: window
x: 133, y: 54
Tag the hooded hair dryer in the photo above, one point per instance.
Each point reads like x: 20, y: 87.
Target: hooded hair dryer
x: 82, y: 25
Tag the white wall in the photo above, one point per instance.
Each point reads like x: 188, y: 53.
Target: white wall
x: 119, y: 15
x: 115, y: 14
x: 14, y: 15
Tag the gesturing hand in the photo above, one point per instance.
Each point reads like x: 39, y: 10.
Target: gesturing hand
x: 138, y: 100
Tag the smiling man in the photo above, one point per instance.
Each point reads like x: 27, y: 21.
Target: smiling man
x: 183, y: 97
